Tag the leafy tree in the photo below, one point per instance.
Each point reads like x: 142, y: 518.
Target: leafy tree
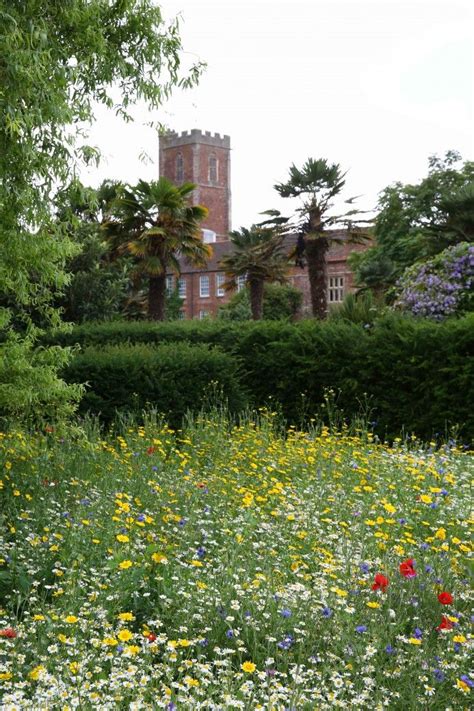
x: 98, y: 286
x: 281, y: 302
x: 258, y: 253
x: 56, y: 60
x: 155, y: 224
x: 317, y: 183
x: 416, y: 222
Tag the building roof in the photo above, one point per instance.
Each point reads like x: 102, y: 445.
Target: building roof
x: 337, y: 251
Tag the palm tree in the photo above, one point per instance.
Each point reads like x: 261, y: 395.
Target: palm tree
x: 257, y: 254
x: 318, y: 183
x: 156, y: 225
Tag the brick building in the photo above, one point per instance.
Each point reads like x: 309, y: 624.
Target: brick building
x: 204, y: 159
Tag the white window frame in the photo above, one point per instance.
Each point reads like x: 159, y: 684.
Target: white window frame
x: 336, y: 289
x: 203, y: 313
x: 241, y: 281
x: 204, y: 291
x: 220, y: 279
x: 169, y: 285
x: 182, y: 287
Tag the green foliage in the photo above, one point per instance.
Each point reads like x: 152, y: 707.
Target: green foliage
x: 171, y: 378
x: 57, y: 59
x: 155, y: 224
x: 258, y: 253
x: 280, y: 302
x: 415, y: 222
x: 357, y: 308
x: 416, y: 375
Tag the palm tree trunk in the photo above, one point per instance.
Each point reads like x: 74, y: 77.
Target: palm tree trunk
x: 256, y: 297
x: 316, y: 251
x: 156, y: 298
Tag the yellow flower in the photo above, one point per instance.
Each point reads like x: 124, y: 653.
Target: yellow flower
x: 459, y: 638
x: 122, y: 538
x: 37, y: 672
x: 414, y: 640
x: 184, y: 643
x: 125, y: 564
x: 126, y: 616
x: 159, y: 558
x: 373, y: 604
x: 441, y: 534
x: 38, y: 618
x: 426, y: 499
x: 5, y: 676
x: 197, y: 563
x: 71, y: 619
x: 131, y: 649
x: 248, y: 667
x: 463, y: 686
x: 109, y: 642
x: 190, y: 681
x: 124, y: 635
x: 73, y: 667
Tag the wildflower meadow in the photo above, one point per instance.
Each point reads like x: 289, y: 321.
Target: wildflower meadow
x: 233, y: 566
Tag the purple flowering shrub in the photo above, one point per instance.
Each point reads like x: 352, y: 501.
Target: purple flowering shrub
x: 441, y: 287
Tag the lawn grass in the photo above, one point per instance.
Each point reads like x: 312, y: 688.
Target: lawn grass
x: 233, y: 566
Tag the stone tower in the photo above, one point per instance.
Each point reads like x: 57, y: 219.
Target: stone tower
x: 204, y: 159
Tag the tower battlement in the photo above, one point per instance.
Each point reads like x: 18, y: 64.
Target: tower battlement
x: 173, y: 139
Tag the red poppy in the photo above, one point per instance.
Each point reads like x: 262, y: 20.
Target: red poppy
x: 381, y: 582
x: 8, y: 632
x: 151, y: 636
x: 445, y: 598
x: 151, y: 450
x: 445, y: 624
x: 407, y: 569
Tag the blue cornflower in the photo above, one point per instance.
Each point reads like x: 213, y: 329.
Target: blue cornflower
x: 286, y: 642
x: 285, y: 612
x: 428, y: 569
x: 141, y: 517
x: 326, y: 612
x: 203, y: 642
x: 418, y: 634
x: 361, y: 628
x: 229, y: 634
x: 389, y: 649
x: 467, y: 681
x: 364, y: 567
x: 438, y: 675
x: 182, y: 522
x: 201, y: 552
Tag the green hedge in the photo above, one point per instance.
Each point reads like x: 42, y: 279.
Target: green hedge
x: 173, y: 378
x: 417, y: 375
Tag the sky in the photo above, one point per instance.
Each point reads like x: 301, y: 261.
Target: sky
x: 374, y: 85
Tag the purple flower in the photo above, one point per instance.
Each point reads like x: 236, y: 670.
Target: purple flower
x: 285, y: 612
x: 229, y: 634
x: 201, y: 552
x: 438, y: 675
x: 467, y: 681
x: 326, y: 612
x: 418, y: 634
x: 364, y: 567
x: 389, y: 649
x: 361, y: 629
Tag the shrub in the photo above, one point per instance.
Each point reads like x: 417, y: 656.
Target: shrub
x: 440, y: 287
x: 172, y: 378
x: 280, y: 302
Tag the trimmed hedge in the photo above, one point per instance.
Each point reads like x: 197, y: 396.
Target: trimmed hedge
x: 173, y: 378
x: 418, y: 376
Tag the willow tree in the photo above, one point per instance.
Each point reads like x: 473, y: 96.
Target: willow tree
x: 57, y: 59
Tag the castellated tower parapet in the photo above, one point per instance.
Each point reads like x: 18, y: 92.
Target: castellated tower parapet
x: 202, y: 158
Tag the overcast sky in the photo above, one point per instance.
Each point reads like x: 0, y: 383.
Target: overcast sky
x: 375, y: 85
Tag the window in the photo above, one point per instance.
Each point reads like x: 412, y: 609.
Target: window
x: 241, y: 282
x: 203, y: 314
x: 336, y: 289
x: 220, y: 279
x: 204, y: 289
x: 169, y: 285
x: 182, y: 288
x: 212, y: 169
x: 181, y: 315
x: 179, y: 168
